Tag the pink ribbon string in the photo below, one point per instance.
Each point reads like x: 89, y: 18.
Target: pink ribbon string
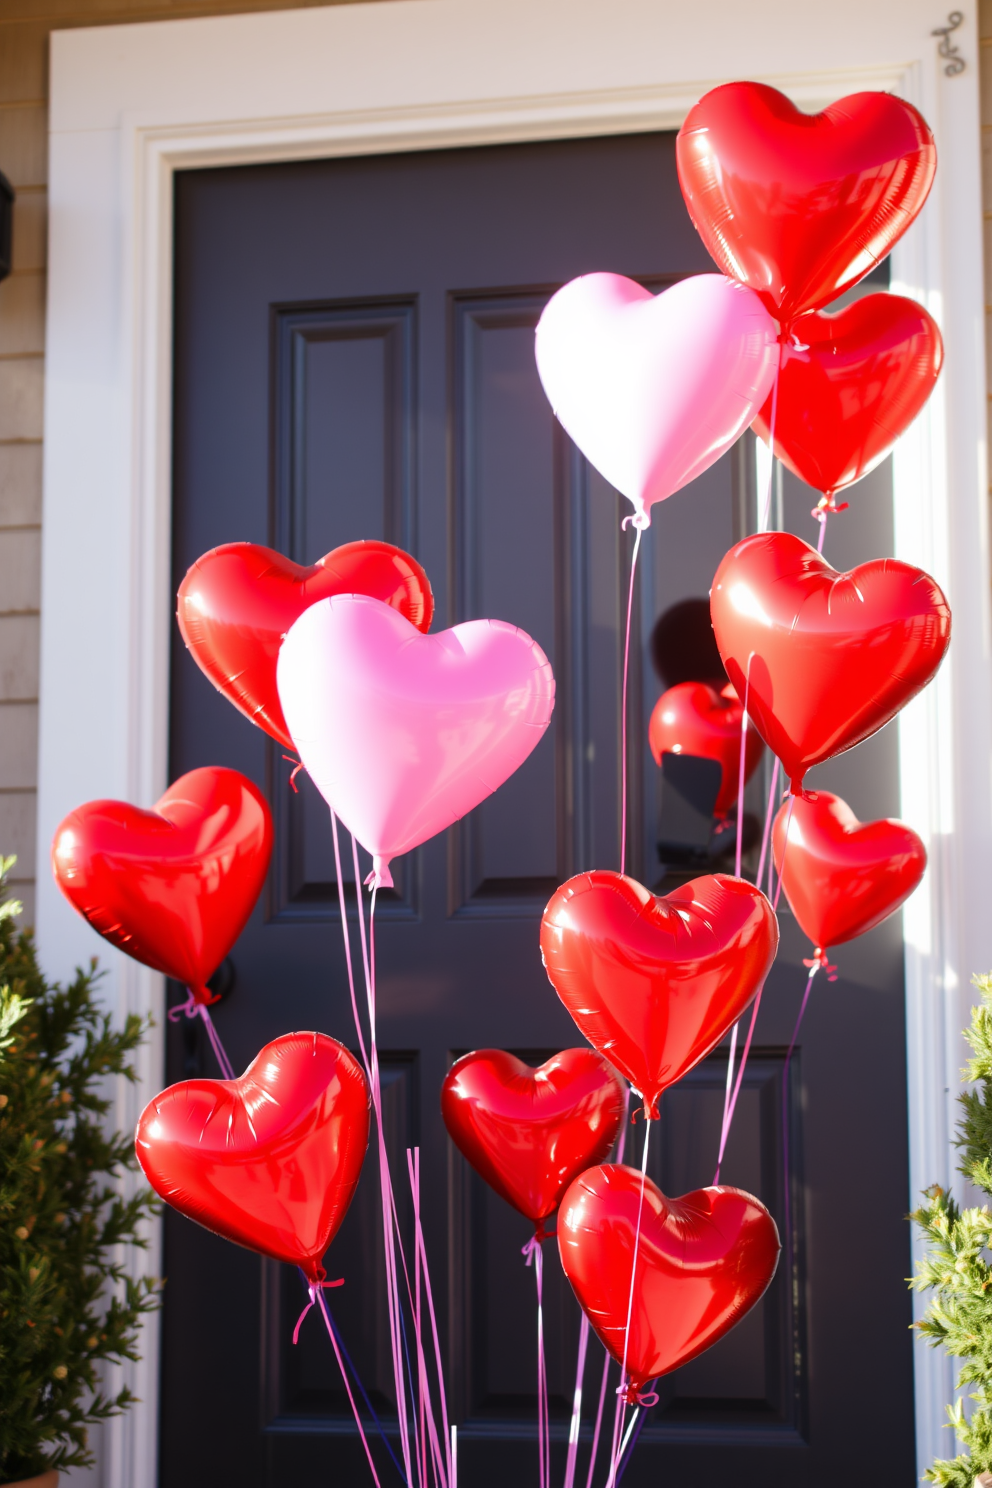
x: 599, y: 1420
x: 389, y: 1220
x: 824, y: 509
x: 193, y: 1009
x: 573, y: 1431
x: 576, y: 1421
x: 532, y: 1253
x: 740, y: 773
x: 422, y: 1271
x: 623, y: 1387
x: 623, y: 701
x: 344, y: 1375
x: 441, y: 1458
x: 347, y: 944
x: 220, y: 1053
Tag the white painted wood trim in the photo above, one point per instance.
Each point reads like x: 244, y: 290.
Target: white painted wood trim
x: 131, y: 105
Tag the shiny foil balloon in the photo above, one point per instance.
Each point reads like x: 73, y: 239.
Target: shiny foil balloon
x: 654, y: 388
x: 694, y: 718
x: 654, y: 984
x: 238, y: 601
x: 826, y: 658
x: 529, y: 1132
x: 703, y: 1261
x: 801, y: 206
x: 270, y: 1160
x: 174, y: 886
x: 404, y: 733
x: 841, y: 876
x: 856, y: 381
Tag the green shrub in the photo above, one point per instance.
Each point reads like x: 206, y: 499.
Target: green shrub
x: 956, y: 1266
x: 66, y: 1304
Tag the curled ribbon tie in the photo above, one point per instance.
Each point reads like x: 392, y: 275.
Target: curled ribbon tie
x: 191, y: 1007
x: 634, y: 1395
x: 818, y: 961
x: 297, y: 767
x: 312, y: 1289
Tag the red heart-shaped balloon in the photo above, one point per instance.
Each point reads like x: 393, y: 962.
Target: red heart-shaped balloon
x: 174, y: 886
x: 694, y: 718
x: 856, y: 382
x: 654, y: 984
x: 238, y: 601
x: 823, y: 658
x: 801, y: 206
x: 703, y: 1261
x: 841, y: 876
x: 529, y: 1132
x: 270, y: 1160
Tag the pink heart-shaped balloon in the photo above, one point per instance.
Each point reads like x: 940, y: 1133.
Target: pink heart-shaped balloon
x: 655, y: 388
x: 403, y: 733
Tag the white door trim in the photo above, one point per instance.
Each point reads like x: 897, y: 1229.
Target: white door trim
x: 131, y: 105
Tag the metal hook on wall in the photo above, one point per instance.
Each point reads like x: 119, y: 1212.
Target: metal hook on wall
x: 947, y: 48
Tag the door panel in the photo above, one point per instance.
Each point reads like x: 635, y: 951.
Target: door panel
x: 354, y: 358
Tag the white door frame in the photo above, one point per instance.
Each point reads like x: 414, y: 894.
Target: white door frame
x: 133, y: 104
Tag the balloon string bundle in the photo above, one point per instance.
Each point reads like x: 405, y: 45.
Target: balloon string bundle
x: 533, y: 1253
x: 576, y: 1421
x: 623, y: 1389
x: 731, y: 1106
x: 194, y: 1009
x: 426, y: 1438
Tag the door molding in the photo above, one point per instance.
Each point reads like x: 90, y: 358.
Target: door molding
x: 131, y: 105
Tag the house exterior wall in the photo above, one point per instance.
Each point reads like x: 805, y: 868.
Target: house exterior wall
x: 25, y: 27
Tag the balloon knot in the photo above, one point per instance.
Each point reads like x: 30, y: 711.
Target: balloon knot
x: 819, y: 962
x: 826, y: 507
x: 640, y: 520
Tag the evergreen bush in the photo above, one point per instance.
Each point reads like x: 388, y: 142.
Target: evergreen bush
x: 66, y: 1304
x: 957, y: 1268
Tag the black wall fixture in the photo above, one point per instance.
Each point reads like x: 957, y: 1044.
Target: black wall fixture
x: 6, y: 224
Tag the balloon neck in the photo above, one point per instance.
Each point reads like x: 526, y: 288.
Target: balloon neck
x: 796, y: 788
x: 380, y: 877
x: 203, y: 996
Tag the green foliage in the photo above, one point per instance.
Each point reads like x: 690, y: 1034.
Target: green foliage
x: 956, y: 1266
x: 66, y: 1304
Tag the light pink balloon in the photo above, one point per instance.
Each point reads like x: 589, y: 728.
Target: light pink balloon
x: 655, y: 388
x: 403, y: 733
